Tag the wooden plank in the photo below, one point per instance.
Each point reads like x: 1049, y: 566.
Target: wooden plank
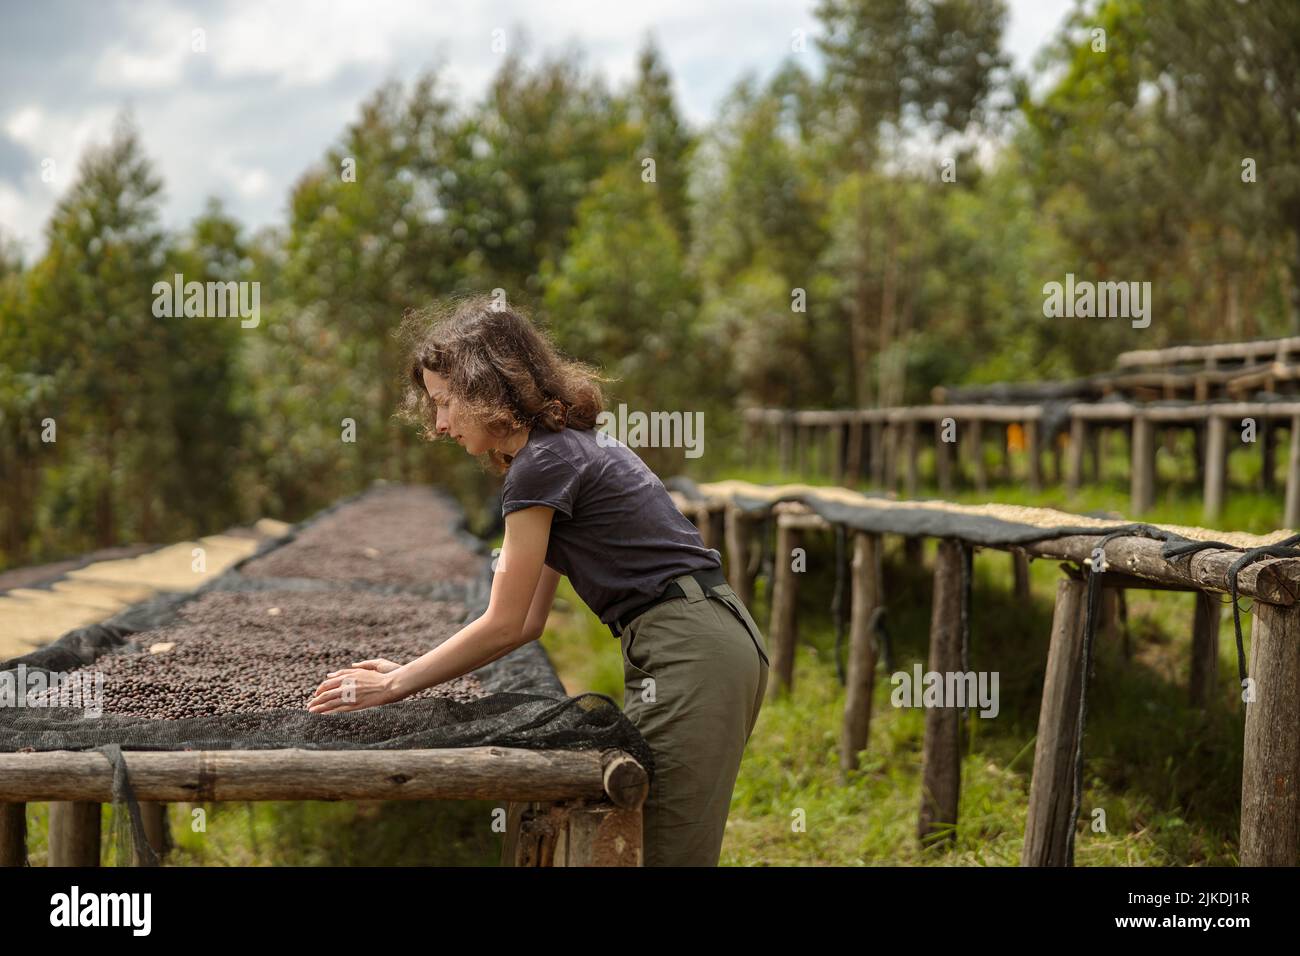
x: 1270, y: 774
x: 1051, y: 789
x: 941, y: 753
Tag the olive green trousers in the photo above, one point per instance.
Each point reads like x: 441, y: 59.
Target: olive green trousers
x: 695, y: 672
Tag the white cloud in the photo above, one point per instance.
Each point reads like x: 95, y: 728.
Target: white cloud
x: 245, y: 118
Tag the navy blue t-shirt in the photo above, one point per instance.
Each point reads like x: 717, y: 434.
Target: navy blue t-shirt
x: 616, y: 533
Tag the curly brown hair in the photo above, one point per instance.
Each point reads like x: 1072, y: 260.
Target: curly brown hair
x: 507, y: 372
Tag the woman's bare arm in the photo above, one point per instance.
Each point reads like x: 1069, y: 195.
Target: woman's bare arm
x: 521, y: 598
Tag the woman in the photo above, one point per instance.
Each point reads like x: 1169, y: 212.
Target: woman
x: 579, y: 504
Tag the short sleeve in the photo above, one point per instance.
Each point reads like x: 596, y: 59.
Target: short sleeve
x: 542, y: 479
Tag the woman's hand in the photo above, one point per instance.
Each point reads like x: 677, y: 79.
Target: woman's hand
x: 378, y: 664
x: 353, y: 688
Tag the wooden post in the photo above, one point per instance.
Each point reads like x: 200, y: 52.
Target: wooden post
x: 1092, y: 435
x: 941, y: 756
x: 1078, y: 439
x: 1216, y: 446
x: 853, y: 466
x: 1143, y: 463
x: 13, y: 834
x: 943, y: 455
x: 737, y: 534
x: 868, y: 588
x: 1267, y: 441
x: 892, y: 449
x: 879, y: 451
x: 154, y: 817
x: 976, y: 441
x: 511, y: 853
x: 1020, y: 576
x: 786, y: 443
x: 784, y: 626
x: 835, y: 447
x: 74, y: 833
x: 1205, y: 649
x: 910, y: 453
x: 1051, y: 790
x: 1292, y: 517
x: 713, y: 522
x: 599, y: 835
x: 1033, y: 449
x: 1198, y: 452
x: 1270, y: 772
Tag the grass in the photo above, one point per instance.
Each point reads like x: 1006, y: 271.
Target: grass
x: 1161, y: 778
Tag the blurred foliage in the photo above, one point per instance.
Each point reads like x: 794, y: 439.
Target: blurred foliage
x: 853, y: 233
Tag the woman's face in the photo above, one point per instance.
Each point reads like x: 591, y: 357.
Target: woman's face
x: 450, y: 421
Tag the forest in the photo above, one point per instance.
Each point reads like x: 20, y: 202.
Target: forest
x: 878, y: 216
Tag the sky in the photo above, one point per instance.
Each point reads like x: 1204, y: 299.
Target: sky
x: 276, y: 83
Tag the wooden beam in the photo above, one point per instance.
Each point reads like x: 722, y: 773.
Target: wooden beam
x: 454, y: 773
x: 1275, y: 580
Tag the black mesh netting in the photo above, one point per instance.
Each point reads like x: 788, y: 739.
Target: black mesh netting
x: 351, y: 590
